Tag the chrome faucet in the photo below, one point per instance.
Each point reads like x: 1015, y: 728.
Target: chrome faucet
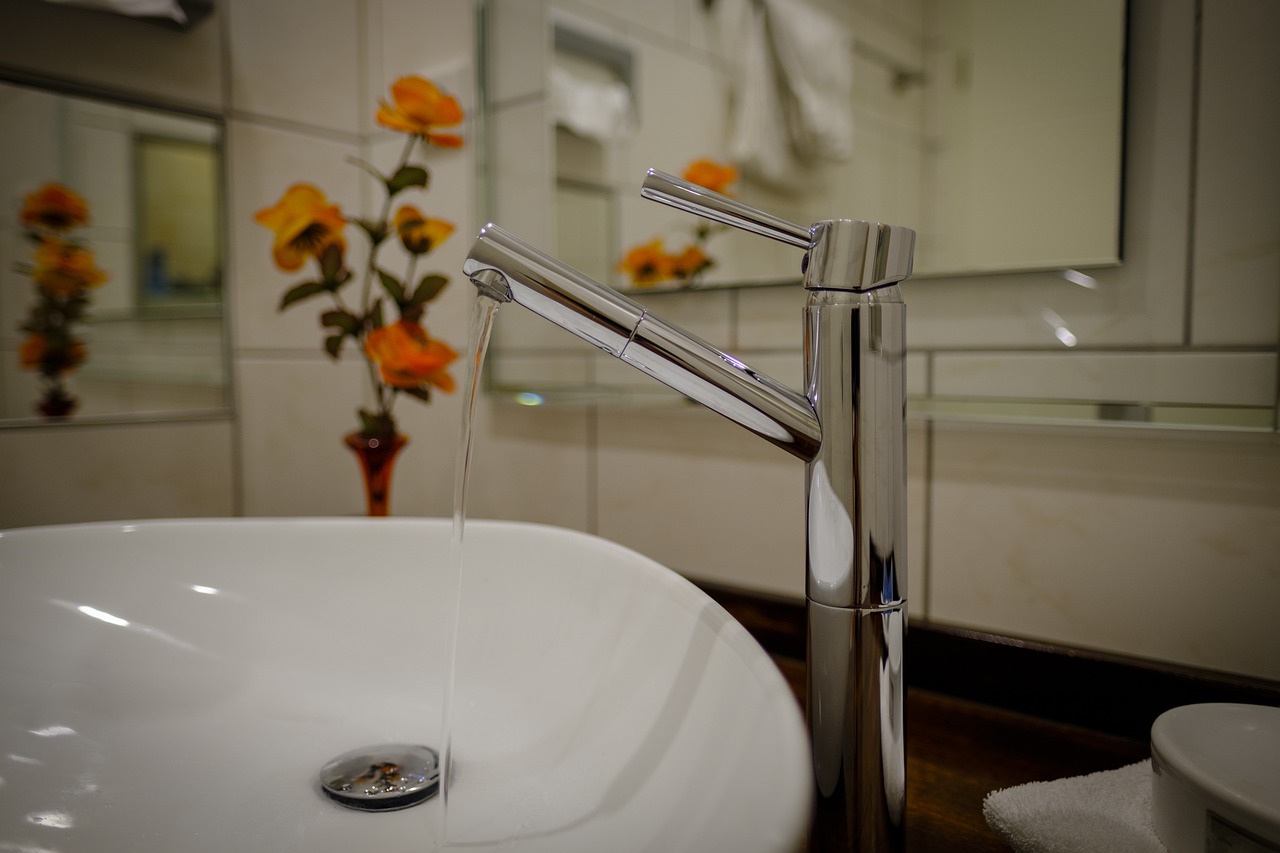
x: 848, y: 426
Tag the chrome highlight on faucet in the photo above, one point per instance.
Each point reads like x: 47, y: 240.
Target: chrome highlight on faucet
x: 849, y: 428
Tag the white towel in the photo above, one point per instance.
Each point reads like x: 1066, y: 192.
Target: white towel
x: 790, y: 69
x: 758, y: 140
x: 815, y: 58
x: 1099, y: 813
x: 596, y: 109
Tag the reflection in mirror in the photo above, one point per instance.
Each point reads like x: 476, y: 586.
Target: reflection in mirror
x: 1023, y: 156
x: 993, y: 127
x: 142, y: 337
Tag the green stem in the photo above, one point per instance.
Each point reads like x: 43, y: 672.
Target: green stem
x: 380, y: 392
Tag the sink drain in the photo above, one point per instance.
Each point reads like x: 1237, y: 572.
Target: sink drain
x: 382, y: 778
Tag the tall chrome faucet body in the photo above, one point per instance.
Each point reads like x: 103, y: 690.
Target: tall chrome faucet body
x: 847, y: 426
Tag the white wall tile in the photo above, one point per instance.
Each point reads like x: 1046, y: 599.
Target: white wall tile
x: 702, y: 496
x: 771, y: 317
x: 533, y: 464
x: 917, y: 374
x: 426, y: 38
x: 519, y: 44
x: 1193, y: 378
x: 1235, y: 299
x: 113, y: 52
x: 297, y: 60
x: 537, y: 371
x: 1151, y: 546
x: 293, y: 414
x: 682, y: 106
x: 81, y: 473
x: 522, y: 165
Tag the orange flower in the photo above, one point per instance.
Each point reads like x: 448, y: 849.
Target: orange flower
x: 420, y: 106
x: 407, y: 358
x: 305, y: 225
x: 420, y: 234
x: 35, y: 353
x: 55, y: 207
x: 63, y: 268
x: 32, y: 351
x: 690, y: 262
x: 648, y: 264
x: 710, y: 174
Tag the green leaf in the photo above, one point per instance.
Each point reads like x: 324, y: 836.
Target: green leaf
x: 374, y: 317
x: 376, y: 230
x: 421, y: 392
x: 331, y: 263
x: 376, y: 424
x: 429, y: 288
x: 333, y: 345
x: 393, y: 287
x: 408, y: 176
x: 342, y: 278
x: 344, y: 321
x: 300, y: 292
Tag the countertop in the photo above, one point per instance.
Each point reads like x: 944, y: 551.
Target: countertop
x: 959, y: 751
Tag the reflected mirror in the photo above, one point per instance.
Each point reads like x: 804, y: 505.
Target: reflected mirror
x: 111, y: 270
x: 993, y: 127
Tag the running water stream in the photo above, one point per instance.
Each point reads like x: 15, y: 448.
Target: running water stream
x: 482, y: 315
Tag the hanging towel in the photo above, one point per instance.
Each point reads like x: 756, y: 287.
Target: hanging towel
x: 790, y: 71
x: 1098, y: 813
x: 815, y: 58
x: 758, y: 139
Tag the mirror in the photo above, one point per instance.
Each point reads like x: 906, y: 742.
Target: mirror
x: 993, y: 127
x: 111, y: 304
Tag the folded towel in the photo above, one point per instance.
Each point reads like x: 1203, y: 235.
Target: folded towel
x: 596, y: 109
x: 1103, y: 812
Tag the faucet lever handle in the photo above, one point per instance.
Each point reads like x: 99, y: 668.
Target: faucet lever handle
x: 691, y: 198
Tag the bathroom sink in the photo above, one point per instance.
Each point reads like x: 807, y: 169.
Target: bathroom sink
x: 1216, y: 778
x: 178, y: 685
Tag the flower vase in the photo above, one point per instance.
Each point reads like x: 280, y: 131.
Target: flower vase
x: 56, y: 405
x: 377, y: 457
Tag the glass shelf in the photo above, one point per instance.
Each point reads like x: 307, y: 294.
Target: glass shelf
x: 936, y: 409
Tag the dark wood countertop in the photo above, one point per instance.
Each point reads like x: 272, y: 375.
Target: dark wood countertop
x: 986, y: 712
x: 959, y: 751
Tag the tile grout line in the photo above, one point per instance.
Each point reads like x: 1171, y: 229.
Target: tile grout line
x: 1197, y: 70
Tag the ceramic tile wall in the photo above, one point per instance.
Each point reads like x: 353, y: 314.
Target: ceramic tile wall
x: 1132, y: 542
x: 79, y: 473
x: 1151, y: 545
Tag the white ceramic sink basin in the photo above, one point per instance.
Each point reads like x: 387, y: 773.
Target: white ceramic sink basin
x: 1216, y: 780
x: 177, y: 686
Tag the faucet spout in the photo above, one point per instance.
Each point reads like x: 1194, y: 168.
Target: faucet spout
x: 506, y: 268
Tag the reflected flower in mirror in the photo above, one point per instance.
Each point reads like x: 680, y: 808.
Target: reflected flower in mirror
x: 651, y: 264
x: 62, y: 273
x: 401, y: 357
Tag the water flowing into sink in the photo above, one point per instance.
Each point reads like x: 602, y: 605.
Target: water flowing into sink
x: 482, y: 315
